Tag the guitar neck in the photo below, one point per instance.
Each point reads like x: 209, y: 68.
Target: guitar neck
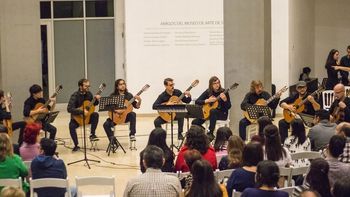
x: 48, y: 101
x: 271, y: 99
x: 183, y: 94
x: 133, y: 98
x: 225, y: 91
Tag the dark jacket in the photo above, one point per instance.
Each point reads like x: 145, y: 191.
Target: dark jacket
x: 76, y: 100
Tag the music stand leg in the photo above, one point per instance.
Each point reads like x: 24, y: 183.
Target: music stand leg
x: 113, y: 146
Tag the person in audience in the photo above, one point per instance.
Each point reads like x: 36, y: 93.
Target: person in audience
x: 267, y: 175
x: 340, y: 126
x: 273, y: 148
x: 158, y: 138
x: 345, y: 156
x: 263, y: 121
x: 341, y: 187
x: 316, y: 179
x: 337, y: 168
x: 309, y: 193
x: 30, y: 147
x: 298, y: 142
x: 321, y: 133
x: 221, y: 140
x: 190, y: 157
x: 11, y: 191
x: 234, y: 158
x: 153, y: 182
x: 332, y: 73
x: 244, y: 177
x: 47, y: 165
x: 11, y: 165
x: 196, y: 139
x: 204, y: 183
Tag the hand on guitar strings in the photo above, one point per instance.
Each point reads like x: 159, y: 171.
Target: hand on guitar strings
x: 311, y: 99
x: 138, y: 98
x: 223, y: 97
x: 53, y: 99
x: 42, y: 110
x: 187, y: 93
x: 342, y: 105
x: 291, y: 108
x: 98, y: 96
x: 210, y: 99
x: 119, y: 111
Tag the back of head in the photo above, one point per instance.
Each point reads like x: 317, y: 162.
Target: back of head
x: 235, y: 142
x: 11, y: 191
x: 6, y: 148
x: 309, y: 193
x: 252, y: 154
x: 318, y: 176
x: 336, y: 145
x: 153, y: 157
x: 197, y: 139
x: 263, y: 121
x: 341, y: 187
x: 273, y: 148
x: 298, y: 130
x: 31, y: 132
x: 267, y: 174
x: 346, y: 130
x: 48, y: 146
x: 35, y: 89
x: 222, y: 135
x: 322, y: 114
x: 191, y: 156
x: 158, y: 137
x: 203, y: 183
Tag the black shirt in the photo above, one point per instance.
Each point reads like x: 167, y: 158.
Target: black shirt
x: 251, y: 98
x: 346, y: 110
x: 76, y: 100
x: 30, y: 103
x: 308, y: 108
x: 332, y: 75
x: 164, y: 97
x: 223, y: 105
x: 4, y: 115
x: 345, y: 61
x: 127, y: 96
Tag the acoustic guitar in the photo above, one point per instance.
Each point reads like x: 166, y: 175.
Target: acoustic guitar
x: 8, y: 122
x: 338, y: 113
x: 213, y: 105
x: 299, y: 106
x: 120, y: 118
x: 89, y: 106
x: 264, y: 102
x: 34, y: 118
x: 175, y: 100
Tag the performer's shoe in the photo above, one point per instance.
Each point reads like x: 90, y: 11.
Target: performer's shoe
x: 76, y: 148
x: 132, y: 138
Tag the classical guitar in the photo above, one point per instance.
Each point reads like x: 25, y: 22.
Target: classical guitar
x: 175, y: 100
x: 338, y: 113
x: 8, y: 122
x: 213, y: 105
x: 34, y: 118
x: 89, y: 106
x: 299, y: 106
x: 120, y: 118
x: 264, y: 102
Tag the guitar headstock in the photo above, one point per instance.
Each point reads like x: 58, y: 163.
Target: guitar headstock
x: 58, y: 89
x: 320, y: 89
x: 285, y: 88
x: 102, y: 87
x: 145, y: 87
x: 195, y: 83
x: 233, y: 86
x: 8, y: 98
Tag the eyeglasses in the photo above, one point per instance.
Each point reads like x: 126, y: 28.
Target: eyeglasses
x: 120, y: 84
x: 171, y: 85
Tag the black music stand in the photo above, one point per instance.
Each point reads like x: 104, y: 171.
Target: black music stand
x: 47, y: 118
x: 110, y: 104
x: 256, y: 111
x: 178, y: 109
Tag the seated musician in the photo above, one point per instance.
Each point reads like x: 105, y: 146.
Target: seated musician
x: 256, y: 93
x: 4, y: 115
x: 74, y: 107
x: 310, y: 106
x: 340, y: 108
x: 120, y: 89
x: 34, y: 106
x: 164, y: 97
x: 209, y: 96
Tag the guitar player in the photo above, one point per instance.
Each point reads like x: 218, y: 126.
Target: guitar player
x: 164, y: 97
x: 256, y: 92
x: 342, y: 102
x: 209, y: 96
x: 75, y: 102
x: 31, y: 109
x: 120, y: 89
x: 288, y: 103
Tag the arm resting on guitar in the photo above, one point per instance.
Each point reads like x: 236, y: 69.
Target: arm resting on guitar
x: 201, y: 99
x: 71, y: 107
x: 186, y: 99
x: 245, y: 103
x: 157, y: 103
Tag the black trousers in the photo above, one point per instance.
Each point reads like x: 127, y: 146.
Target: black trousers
x: 243, y: 123
x: 45, y: 127
x: 283, y: 128
x: 16, y: 125
x: 109, y: 124
x: 180, y: 123
x: 73, y: 125
x: 215, y: 115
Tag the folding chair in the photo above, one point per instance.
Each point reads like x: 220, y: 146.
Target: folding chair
x: 222, y: 176
x: 306, y: 155
x: 236, y: 194
x: 95, y: 181
x: 11, y: 182
x: 327, y: 98
x: 49, y: 182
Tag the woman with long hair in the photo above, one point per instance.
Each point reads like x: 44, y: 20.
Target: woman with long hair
x: 196, y: 139
x: 234, y: 153
x: 273, y: 148
x: 203, y: 183
x: 332, y: 73
x: 298, y: 142
x: 267, y: 176
x: 30, y: 147
x: 222, y: 135
x: 158, y: 138
x: 263, y: 121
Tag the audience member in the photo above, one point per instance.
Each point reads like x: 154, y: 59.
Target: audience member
x: 345, y: 156
x: 309, y: 193
x: 267, y: 175
x: 321, y: 133
x: 220, y: 144
x: 305, y: 75
x: 190, y: 157
x: 153, y: 182
x: 12, y: 192
x: 30, y: 147
x: 158, y: 138
x: 234, y: 158
x: 196, y: 139
x: 244, y: 177
x: 341, y: 187
x: 263, y: 121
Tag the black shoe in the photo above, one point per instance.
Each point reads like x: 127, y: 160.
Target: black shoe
x: 93, y: 137
x: 211, y: 136
x: 76, y: 148
x: 132, y: 138
x: 180, y: 136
